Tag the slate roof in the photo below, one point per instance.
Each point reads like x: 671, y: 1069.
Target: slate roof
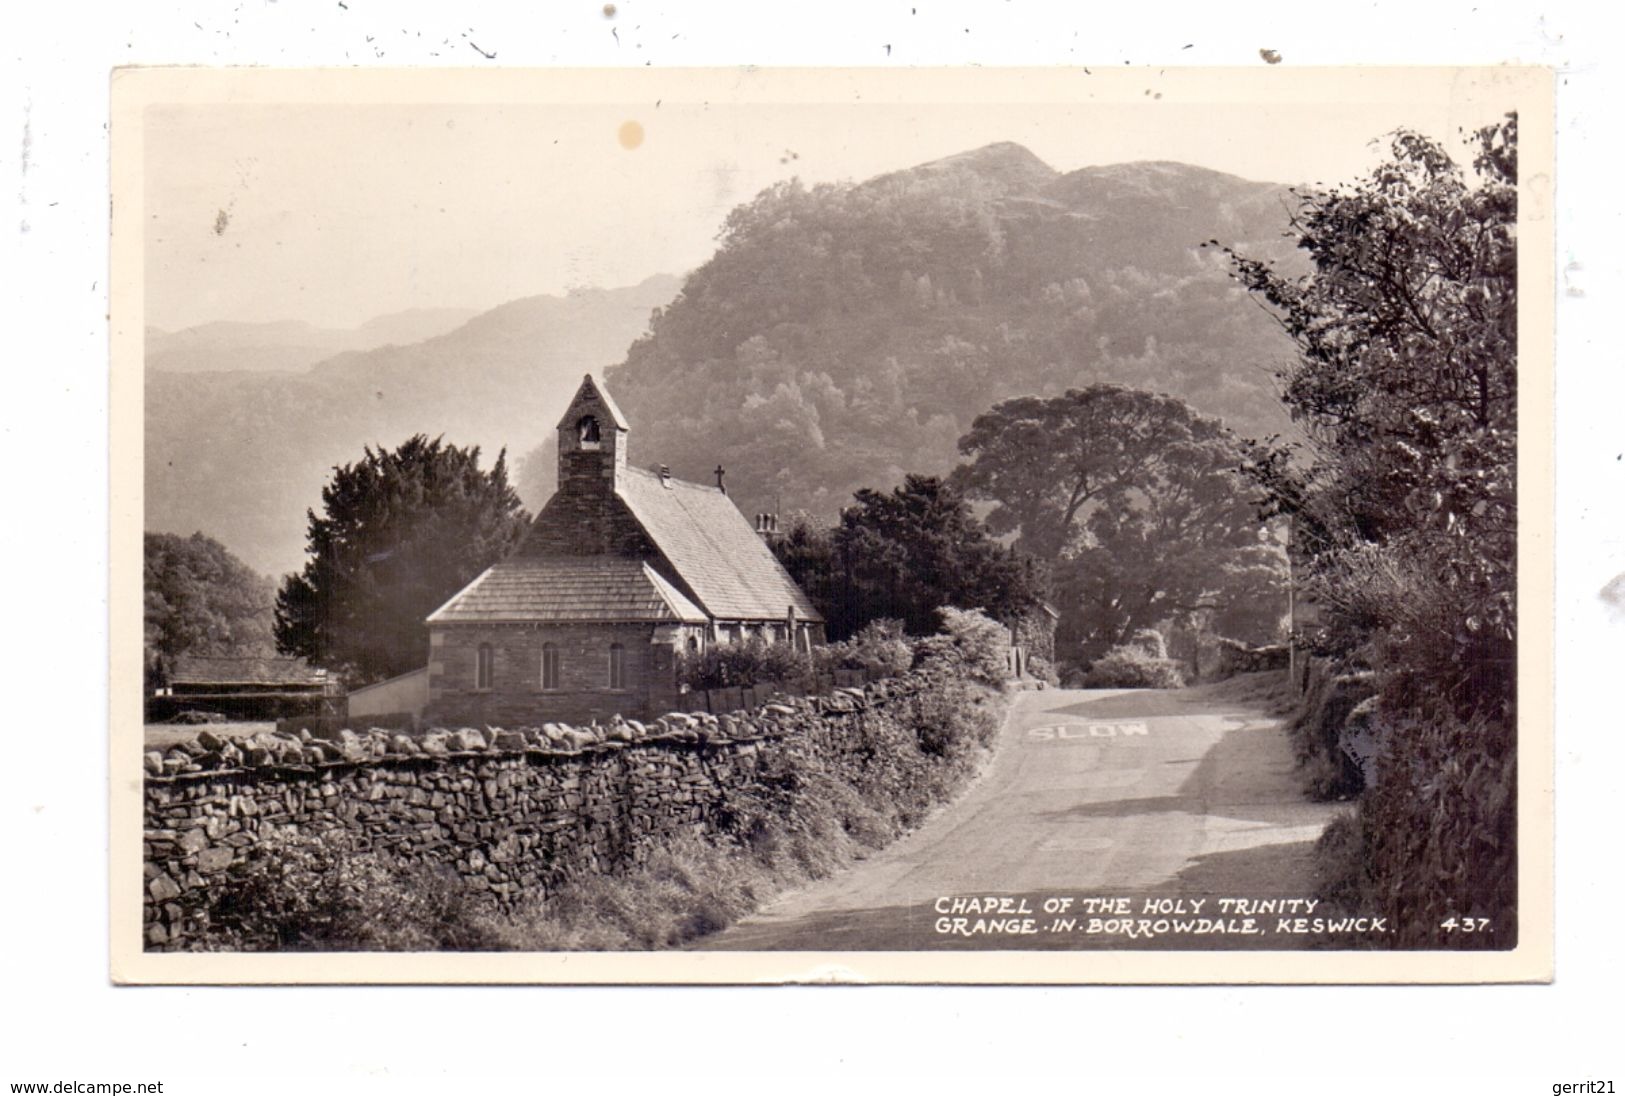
x: 229, y: 670
x: 568, y: 589
x: 723, y: 560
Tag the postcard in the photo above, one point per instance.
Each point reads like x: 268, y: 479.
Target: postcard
x: 759, y: 526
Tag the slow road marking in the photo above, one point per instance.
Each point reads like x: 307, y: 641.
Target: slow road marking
x: 1052, y: 732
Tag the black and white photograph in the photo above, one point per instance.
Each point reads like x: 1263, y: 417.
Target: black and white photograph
x: 726, y: 525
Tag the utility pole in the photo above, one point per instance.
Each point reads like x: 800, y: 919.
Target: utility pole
x: 1291, y: 611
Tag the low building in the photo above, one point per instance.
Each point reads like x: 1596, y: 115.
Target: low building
x: 242, y: 687
x: 622, y: 571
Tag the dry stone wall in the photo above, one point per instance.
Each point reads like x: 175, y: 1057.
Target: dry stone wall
x: 514, y: 812
x: 1232, y: 658
x: 1333, y: 731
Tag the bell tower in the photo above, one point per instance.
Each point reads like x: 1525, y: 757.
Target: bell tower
x: 592, y: 441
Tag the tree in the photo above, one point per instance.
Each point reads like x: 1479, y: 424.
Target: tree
x: 400, y: 532
x: 807, y: 551
x: 201, y: 599
x: 904, y: 555
x: 1181, y: 542
x: 1406, y: 386
x: 1046, y: 463
x: 1405, y: 513
x: 1135, y: 500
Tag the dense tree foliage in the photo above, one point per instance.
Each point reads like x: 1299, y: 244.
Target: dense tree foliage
x: 1045, y: 463
x: 1136, y: 502
x: 200, y: 599
x: 904, y: 555
x: 844, y: 334
x: 399, y: 533
x: 1406, y: 383
x: 1405, y: 513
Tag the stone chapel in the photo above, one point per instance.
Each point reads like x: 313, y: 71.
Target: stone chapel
x: 622, y: 569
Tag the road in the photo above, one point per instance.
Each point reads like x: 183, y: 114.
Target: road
x: 1115, y: 796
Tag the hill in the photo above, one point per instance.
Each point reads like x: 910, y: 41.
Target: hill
x: 287, y: 346
x: 840, y: 337
x: 242, y: 455
x: 843, y: 335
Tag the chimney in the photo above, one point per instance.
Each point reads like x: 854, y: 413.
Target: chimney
x: 665, y: 476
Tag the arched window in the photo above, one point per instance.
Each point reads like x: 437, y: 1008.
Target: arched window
x: 587, y: 428
x: 693, y: 643
x: 617, y: 666
x: 484, y: 667
x: 550, y: 666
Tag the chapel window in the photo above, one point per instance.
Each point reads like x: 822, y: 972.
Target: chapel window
x: 484, y: 667
x: 617, y: 666
x: 550, y: 666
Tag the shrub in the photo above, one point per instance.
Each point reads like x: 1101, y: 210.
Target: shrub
x: 685, y: 890
x: 1041, y: 668
x: 973, y: 642
x: 783, y: 664
x: 318, y: 892
x: 1433, y: 641
x: 879, y: 648
x: 953, y: 719
x: 753, y: 662
x: 1342, y: 876
x: 1150, y: 641
x: 718, y: 666
x: 1440, y: 830
x: 1129, y: 667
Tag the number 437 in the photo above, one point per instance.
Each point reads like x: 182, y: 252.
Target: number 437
x: 1465, y: 924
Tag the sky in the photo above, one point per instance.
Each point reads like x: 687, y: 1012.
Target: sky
x: 336, y: 212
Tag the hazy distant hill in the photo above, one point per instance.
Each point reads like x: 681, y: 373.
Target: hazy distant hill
x: 413, y: 325
x: 288, y: 346
x: 844, y: 335
x: 242, y: 455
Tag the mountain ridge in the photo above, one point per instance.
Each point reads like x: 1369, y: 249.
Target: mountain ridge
x: 840, y: 336
x: 844, y: 335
